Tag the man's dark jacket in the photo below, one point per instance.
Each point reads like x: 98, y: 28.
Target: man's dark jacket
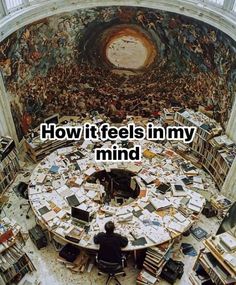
x: 110, y: 246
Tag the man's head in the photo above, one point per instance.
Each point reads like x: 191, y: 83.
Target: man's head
x: 109, y: 227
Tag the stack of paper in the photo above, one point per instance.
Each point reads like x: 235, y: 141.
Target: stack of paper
x: 160, y: 204
x: 125, y: 217
x: 147, y: 178
x: 179, y: 217
x: 195, y: 204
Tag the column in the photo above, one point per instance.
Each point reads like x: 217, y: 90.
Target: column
x: 7, y: 127
x: 228, y: 4
x: 2, y: 8
x: 231, y: 126
x: 229, y: 187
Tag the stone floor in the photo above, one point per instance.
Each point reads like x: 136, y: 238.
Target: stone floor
x: 51, y: 272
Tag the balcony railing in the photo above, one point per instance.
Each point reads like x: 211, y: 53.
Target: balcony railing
x: 216, y: 2
x: 13, y: 5
x: 14, y: 8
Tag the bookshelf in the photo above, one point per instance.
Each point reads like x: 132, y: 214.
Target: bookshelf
x: 215, y: 151
x: 9, y: 163
x: 215, y: 262
x: 14, y: 262
x: 168, y: 115
x: 221, y: 204
x: 36, y: 149
x: 206, y: 127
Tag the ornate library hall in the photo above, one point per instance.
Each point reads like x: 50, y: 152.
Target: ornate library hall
x: 117, y: 142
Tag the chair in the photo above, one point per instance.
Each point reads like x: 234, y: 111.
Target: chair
x: 22, y: 189
x: 111, y: 269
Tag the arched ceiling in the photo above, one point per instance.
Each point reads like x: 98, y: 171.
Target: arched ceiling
x: 60, y: 64
x: 212, y: 15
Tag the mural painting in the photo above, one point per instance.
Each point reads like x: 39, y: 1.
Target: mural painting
x: 59, y: 65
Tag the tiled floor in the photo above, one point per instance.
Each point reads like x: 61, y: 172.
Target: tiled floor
x: 51, y: 272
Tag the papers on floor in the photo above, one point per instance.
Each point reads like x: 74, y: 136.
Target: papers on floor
x: 146, y: 278
x: 197, y: 179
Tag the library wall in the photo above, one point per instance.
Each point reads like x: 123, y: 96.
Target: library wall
x: 57, y: 65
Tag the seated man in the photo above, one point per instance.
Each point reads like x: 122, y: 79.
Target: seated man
x: 110, y: 244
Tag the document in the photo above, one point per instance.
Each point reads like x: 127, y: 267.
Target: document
x: 90, y: 171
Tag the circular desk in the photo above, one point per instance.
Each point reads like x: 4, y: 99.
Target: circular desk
x: 156, y: 217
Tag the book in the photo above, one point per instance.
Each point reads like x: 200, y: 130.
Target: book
x: 228, y: 240
x: 147, y: 277
x: 178, y: 190
x: 139, y: 241
x: 148, y: 154
x: 163, y: 188
x: 54, y: 169
x: 160, y: 204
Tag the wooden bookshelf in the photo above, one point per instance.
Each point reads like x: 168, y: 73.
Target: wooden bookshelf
x: 14, y: 262
x: 212, y: 260
x: 36, y: 149
x: 216, y: 152
x: 9, y: 163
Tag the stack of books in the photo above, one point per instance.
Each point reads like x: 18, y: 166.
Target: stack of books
x: 155, y: 259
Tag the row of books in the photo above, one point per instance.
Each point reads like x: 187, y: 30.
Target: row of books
x: 8, y: 169
x: 217, y: 261
x: 212, y: 268
x: 8, y: 159
x: 206, y: 127
x: 6, y: 146
x: 215, y: 152
x: 12, y: 262
x: 9, y: 257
